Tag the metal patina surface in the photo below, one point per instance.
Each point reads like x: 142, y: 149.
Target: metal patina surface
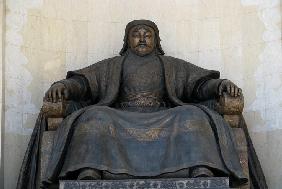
x: 138, y: 115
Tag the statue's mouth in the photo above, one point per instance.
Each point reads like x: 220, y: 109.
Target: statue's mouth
x: 142, y: 45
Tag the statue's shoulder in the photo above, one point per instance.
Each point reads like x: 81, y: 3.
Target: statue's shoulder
x: 108, y: 61
x: 175, y: 61
x: 100, y: 66
x: 181, y: 66
x: 104, y: 63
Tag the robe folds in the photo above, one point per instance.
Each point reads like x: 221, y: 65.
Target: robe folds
x: 180, y: 129
x: 110, y: 139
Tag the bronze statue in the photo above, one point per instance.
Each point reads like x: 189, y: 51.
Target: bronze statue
x: 138, y: 116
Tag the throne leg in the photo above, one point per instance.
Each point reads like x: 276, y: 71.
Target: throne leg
x: 45, y: 150
x: 241, y: 144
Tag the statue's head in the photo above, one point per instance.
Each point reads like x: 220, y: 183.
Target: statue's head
x: 142, y: 37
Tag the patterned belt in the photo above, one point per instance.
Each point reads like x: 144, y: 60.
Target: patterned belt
x: 143, y: 99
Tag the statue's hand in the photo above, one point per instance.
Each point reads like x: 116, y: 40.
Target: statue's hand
x: 57, y: 93
x: 230, y: 88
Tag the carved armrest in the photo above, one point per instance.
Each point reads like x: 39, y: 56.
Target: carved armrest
x: 54, y: 112
x: 231, y: 108
x: 228, y: 105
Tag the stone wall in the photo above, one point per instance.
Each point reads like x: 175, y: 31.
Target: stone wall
x: 2, y: 26
x: 46, y: 38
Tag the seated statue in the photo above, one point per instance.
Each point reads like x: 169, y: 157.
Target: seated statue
x: 138, y: 116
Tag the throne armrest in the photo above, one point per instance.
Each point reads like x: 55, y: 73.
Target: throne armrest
x: 228, y: 105
x: 231, y: 108
x: 54, y: 113
x: 54, y: 110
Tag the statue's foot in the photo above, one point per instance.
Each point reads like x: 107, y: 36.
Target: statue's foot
x: 201, y: 172
x: 89, y: 174
x: 183, y: 173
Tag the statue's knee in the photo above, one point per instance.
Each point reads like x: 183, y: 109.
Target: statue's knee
x: 183, y: 173
x: 89, y: 174
x: 201, y: 171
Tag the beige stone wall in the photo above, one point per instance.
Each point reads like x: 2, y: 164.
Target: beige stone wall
x: 2, y: 26
x: 240, y: 38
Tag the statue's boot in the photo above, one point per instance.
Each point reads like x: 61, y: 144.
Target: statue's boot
x: 120, y: 176
x: 183, y: 173
x: 201, y: 172
x: 89, y: 174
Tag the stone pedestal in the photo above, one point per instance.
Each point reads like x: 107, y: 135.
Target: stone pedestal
x: 179, y: 183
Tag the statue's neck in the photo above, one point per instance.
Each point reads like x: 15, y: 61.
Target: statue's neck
x: 133, y: 55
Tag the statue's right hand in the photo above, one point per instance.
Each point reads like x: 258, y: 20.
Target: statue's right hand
x: 57, y: 93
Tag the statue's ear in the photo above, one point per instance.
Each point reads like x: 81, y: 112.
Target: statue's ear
x: 156, y: 41
x: 127, y: 43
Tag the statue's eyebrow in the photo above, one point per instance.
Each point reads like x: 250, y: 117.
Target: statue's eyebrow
x: 135, y: 30
x: 147, y: 29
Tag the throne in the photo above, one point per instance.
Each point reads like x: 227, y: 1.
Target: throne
x: 230, y: 108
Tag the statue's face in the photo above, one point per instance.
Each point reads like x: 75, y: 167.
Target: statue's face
x: 141, y: 40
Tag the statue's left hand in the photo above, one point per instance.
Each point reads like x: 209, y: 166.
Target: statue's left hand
x: 229, y: 87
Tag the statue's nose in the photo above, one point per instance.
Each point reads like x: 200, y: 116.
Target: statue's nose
x: 142, y: 39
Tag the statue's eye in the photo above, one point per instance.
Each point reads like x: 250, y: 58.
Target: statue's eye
x: 135, y: 34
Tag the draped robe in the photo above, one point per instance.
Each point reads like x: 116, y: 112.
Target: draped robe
x: 127, y: 142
